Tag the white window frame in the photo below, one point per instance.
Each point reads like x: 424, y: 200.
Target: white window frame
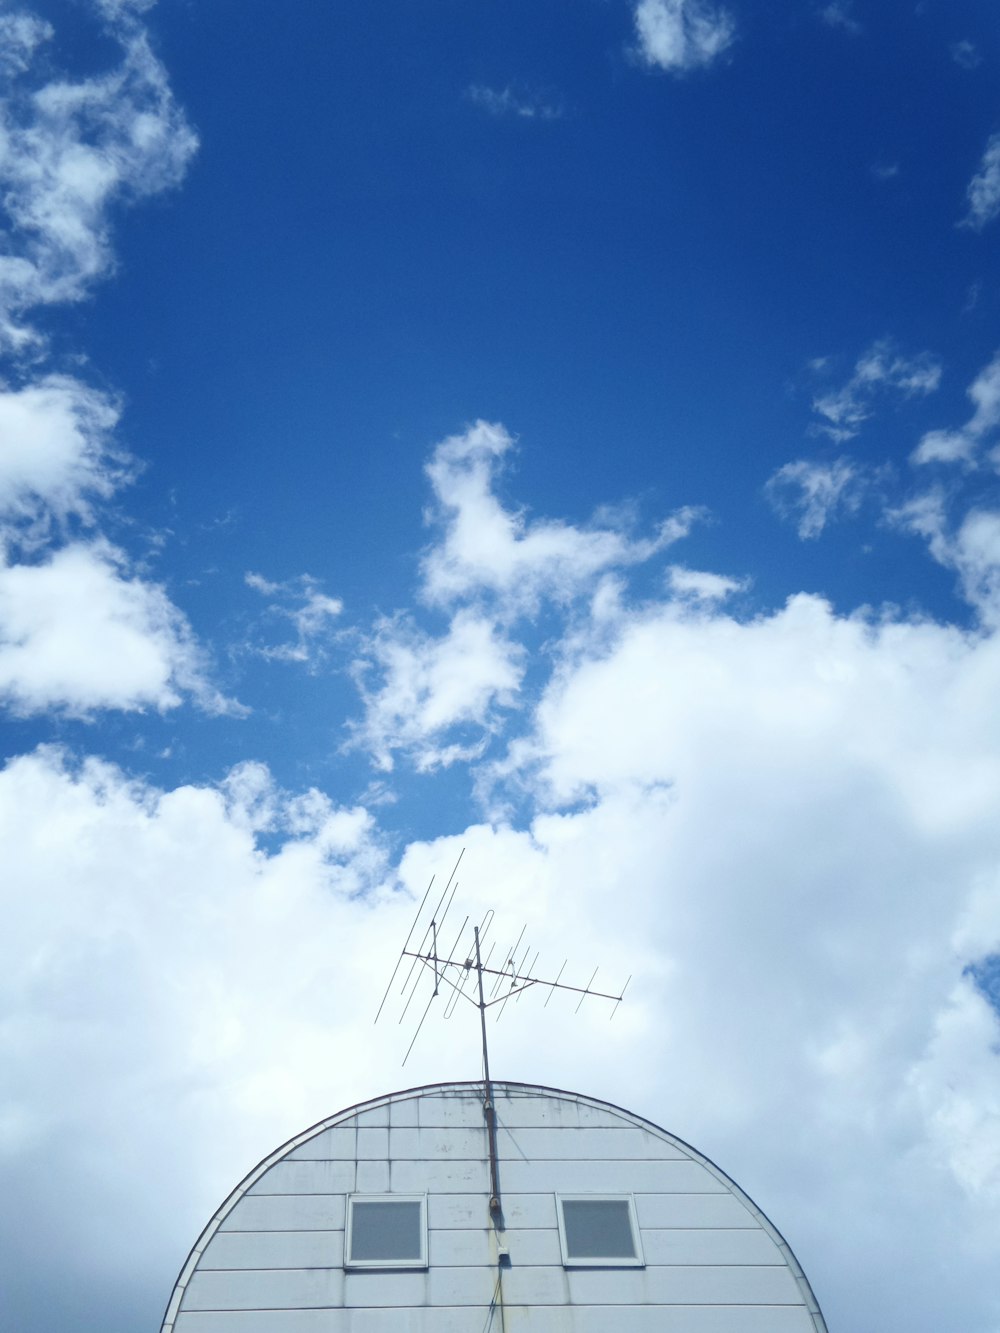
x: 599, y: 1261
x: 420, y: 1262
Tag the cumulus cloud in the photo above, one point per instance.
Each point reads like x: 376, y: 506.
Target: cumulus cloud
x: 970, y: 546
x: 815, y: 492
x: 783, y: 824
x: 511, y: 101
x: 983, y: 194
x: 487, y: 549
x: 311, y: 611
x: 79, y: 632
x: 56, y: 452
x: 429, y: 690
x: 80, y: 629
x: 68, y: 151
x: 962, y: 445
x: 881, y: 369
x: 680, y: 35
x: 147, y: 995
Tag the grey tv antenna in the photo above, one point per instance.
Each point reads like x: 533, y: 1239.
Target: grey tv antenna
x: 495, y: 986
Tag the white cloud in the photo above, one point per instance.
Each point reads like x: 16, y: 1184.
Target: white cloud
x: 430, y: 688
x: 983, y: 194
x: 795, y: 816
x: 679, y: 35
x: 510, y: 101
x: 20, y: 36
x: 56, y: 454
x: 815, y: 492
x: 962, y: 445
x: 486, y: 548
x: 843, y: 411
x: 785, y: 826
x: 78, y: 632
x: 972, y: 549
x: 67, y: 151
x: 148, y: 987
x: 701, y: 585
x: 311, y: 612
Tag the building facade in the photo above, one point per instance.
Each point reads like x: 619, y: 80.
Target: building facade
x: 383, y: 1219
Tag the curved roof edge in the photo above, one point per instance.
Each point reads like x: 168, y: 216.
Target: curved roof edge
x: 404, y: 1094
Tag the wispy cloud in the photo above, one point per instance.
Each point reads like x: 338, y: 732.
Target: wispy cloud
x: 970, y: 547
x: 844, y: 411
x: 487, y: 550
x: 815, y: 492
x: 966, y: 54
x: 839, y: 14
x: 963, y: 445
x: 70, y: 150
x: 700, y: 585
x: 428, y: 689
x: 680, y: 35
x: 311, y: 611
x: 983, y: 194
x: 515, y: 102
x: 81, y: 628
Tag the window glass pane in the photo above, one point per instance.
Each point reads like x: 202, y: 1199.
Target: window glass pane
x: 386, y: 1230
x: 598, y: 1229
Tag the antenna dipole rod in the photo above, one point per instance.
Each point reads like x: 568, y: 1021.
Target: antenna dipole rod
x: 488, y: 1108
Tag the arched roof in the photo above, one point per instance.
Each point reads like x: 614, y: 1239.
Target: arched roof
x: 707, y: 1260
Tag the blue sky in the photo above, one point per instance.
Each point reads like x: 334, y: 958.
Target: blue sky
x: 568, y: 430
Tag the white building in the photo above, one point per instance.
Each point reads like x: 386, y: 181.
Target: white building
x: 380, y: 1220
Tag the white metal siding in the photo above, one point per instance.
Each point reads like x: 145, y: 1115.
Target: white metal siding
x: 272, y: 1259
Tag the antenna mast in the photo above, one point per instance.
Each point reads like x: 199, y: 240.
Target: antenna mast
x: 454, y: 970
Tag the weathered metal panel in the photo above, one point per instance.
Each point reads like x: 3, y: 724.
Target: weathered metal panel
x: 692, y: 1210
x: 527, y: 1111
x: 374, y: 1178
x: 461, y: 1177
x: 600, y: 1177
x: 438, y: 1143
x: 463, y: 1247
x: 404, y: 1113
x: 530, y: 1248
x: 265, y: 1289
x: 291, y: 1177
x: 518, y: 1319
x: 710, y: 1246
x: 331, y: 1144
x: 274, y: 1249
x: 438, y: 1110
x: 744, y: 1286
x: 373, y: 1144
x: 287, y: 1212
x: 373, y: 1116
x: 690, y: 1319
x: 588, y: 1143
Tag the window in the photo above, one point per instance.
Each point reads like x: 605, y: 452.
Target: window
x: 599, y: 1231
x: 386, y: 1231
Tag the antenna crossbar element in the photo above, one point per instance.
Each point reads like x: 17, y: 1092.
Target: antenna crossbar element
x: 455, y: 969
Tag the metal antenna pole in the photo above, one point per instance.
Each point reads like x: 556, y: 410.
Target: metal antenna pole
x: 489, y: 1110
